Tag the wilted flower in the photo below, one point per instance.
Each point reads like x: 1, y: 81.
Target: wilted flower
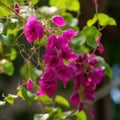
x: 33, y: 29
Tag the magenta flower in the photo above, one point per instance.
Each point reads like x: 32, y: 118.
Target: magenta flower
x: 89, y: 93
x: 16, y: 7
x: 58, y: 21
x: 96, y: 76
x: 29, y: 84
x: 80, y: 106
x: 87, y: 74
x: 48, y: 83
x: 100, y: 46
x: 75, y: 98
x: 52, y: 58
x: 68, y: 34
x: 68, y: 54
x: 33, y: 29
x: 64, y: 73
x: 51, y: 41
x: 95, y: 2
x: 91, y: 112
x: 101, y: 49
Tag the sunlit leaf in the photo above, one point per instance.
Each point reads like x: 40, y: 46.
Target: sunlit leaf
x: 41, y: 116
x: 81, y: 115
x: 74, y: 5
x: 13, y: 54
x: 34, y: 1
x: 1, y: 27
x: 92, y: 21
x: 66, y: 114
x: 1, y: 48
x: 45, y: 99
x: 4, y: 12
x: 61, y: 100
x: 65, y: 4
x: 10, y: 98
x: 112, y: 21
x: 7, y: 67
x: 104, y: 19
x: 2, y: 104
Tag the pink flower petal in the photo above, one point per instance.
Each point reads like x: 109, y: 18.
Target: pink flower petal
x: 75, y: 98
x: 58, y: 21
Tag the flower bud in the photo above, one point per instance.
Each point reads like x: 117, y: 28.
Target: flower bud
x: 29, y: 84
x: 16, y: 7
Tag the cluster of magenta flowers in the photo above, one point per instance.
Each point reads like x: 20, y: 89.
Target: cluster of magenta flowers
x: 62, y: 63
x: 87, y: 75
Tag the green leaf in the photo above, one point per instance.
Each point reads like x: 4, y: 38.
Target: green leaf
x: 41, y: 116
x: 7, y: 40
x: 79, y: 40
x: 105, y: 66
x: 65, y: 4
x: 7, y: 67
x: 2, y: 104
x: 34, y: 1
x: 112, y: 21
x: 74, y: 5
x: 108, y: 71
x: 92, y: 21
x: 19, y: 93
x: 105, y: 20
x: 1, y: 27
x: 28, y: 96
x: 81, y: 115
x: 20, y: 2
x: 61, y: 100
x: 4, y: 12
x: 13, y: 54
x: 1, y: 48
x: 29, y: 70
x: 66, y: 114
x: 91, y: 34
x: 10, y: 98
x: 45, y: 99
